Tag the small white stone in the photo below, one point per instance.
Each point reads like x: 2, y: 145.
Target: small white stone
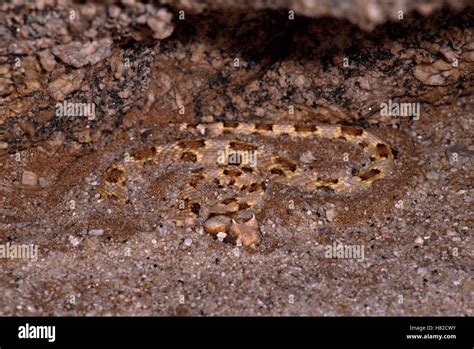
x: 221, y: 236
x: 113, y: 11
x: 330, y: 214
x: 96, y: 232
x: 74, y: 241
x: 450, y: 232
x: 236, y: 252
x: 419, y: 240
x: 188, y: 241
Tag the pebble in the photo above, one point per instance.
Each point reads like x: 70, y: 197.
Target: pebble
x: 29, y: 178
x: 450, y: 232
x: 96, y: 232
x: 74, y: 241
x: 161, y: 24
x: 436, y: 74
x: 433, y: 175
x: 47, y: 60
x: 65, y: 84
x: 419, y: 240
x: 114, y: 11
x: 221, y: 236
x: 236, y: 252
x: 188, y: 241
x: 330, y: 214
x: 3, y: 145
x: 79, y: 55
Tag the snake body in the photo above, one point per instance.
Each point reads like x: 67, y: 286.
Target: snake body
x: 235, y: 173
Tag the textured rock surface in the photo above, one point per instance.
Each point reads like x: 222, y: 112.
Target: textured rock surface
x: 365, y: 13
x: 323, y: 68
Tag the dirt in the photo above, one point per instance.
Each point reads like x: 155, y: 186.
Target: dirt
x: 99, y: 257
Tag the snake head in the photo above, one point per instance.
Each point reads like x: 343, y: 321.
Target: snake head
x: 241, y: 231
x: 246, y: 231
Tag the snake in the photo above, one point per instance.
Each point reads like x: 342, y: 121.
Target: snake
x: 221, y: 177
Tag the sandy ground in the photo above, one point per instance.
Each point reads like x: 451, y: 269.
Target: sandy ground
x: 100, y: 257
x: 415, y: 234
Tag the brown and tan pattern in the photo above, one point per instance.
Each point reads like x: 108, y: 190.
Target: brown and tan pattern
x: 228, y: 176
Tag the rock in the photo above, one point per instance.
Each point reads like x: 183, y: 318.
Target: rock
x: 161, y: 24
x: 74, y: 241
x: 27, y: 127
x: 221, y: 236
x: 47, y: 60
x: 29, y: 178
x: 65, y: 84
x: 437, y: 74
x: 450, y: 232
x: 78, y: 54
x: 113, y: 11
x: 236, y: 252
x: 30, y: 79
x: 96, y: 232
x: 188, y: 241
x: 432, y: 175
x: 3, y: 145
x: 331, y: 214
x: 366, y: 14
x: 419, y: 240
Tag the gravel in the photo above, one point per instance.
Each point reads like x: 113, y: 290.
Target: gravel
x: 414, y: 228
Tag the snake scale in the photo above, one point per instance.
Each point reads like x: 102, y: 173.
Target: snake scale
x: 236, y: 173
